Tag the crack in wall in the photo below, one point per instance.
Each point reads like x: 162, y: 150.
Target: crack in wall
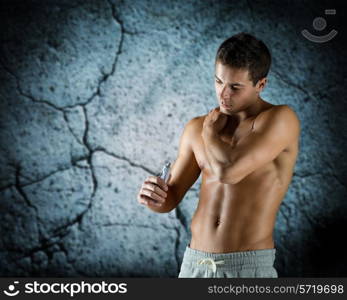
x: 30, y: 182
x: 85, y: 141
x: 58, y: 232
x: 70, y: 129
x: 20, y: 91
x: 70, y: 261
x: 46, y: 176
x: 7, y: 186
x: 90, y: 149
x: 20, y: 190
x: 79, y: 217
x: 294, y: 85
x: 310, y: 96
x: 161, y: 225
x: 178, y: 211
x: 116, y: 17
x: 45, y: 244
x: 114, y: 64
x: 123, y: 158
x: 100, y: 81
x: 85, y: 158
x: 51, y: 105
x: 62, y: 110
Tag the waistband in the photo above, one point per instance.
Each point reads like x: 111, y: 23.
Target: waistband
x: 261, y: 257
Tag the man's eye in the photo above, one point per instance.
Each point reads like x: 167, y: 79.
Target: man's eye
x: 218, y: 81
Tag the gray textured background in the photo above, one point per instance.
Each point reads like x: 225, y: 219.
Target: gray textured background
x: 93, y: 98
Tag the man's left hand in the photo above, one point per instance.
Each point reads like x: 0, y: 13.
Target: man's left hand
x: 214, y: 122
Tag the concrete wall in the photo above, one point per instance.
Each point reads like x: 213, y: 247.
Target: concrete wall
x: 93, y: 98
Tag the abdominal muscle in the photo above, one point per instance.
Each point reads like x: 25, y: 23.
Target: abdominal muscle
x: 237, y: 217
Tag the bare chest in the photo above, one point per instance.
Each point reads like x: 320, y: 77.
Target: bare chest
x: 231, y: 135
x: 280, y: 169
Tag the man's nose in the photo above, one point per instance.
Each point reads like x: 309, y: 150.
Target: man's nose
x: 225, y: 94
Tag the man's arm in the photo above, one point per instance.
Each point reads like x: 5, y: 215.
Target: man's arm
x: 278, y: 129
x: 184, y: 171
x: 216, y: 152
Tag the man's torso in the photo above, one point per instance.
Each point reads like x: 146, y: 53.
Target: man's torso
x: 239, y: 217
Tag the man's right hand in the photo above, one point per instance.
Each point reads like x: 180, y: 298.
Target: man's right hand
x: 153, y: 192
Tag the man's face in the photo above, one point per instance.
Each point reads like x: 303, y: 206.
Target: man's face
x: 234, y: 89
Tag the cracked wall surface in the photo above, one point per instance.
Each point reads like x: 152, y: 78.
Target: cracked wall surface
x: 94, y: 96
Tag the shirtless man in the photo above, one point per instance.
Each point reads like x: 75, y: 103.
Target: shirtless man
x: 246, y: 149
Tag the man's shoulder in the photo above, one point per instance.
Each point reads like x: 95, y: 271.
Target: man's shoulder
x: 193, y: 127
x: 281, y: 113
x: 196, y: 122
x: 282, y: 117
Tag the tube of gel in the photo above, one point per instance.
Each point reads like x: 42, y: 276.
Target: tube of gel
x: 165, y: 172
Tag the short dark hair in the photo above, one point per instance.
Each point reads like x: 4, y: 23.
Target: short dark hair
x: 245, y: 51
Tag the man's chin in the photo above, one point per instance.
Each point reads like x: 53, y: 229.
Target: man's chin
x: 225, y: 111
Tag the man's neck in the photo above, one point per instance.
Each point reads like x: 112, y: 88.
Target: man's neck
x: 250, y: 111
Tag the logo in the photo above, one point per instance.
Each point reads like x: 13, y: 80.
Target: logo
x: 12, y: 291
x: 319, y: 24
x: 70, y: 288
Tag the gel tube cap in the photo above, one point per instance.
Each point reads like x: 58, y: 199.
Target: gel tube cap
x: 165, y: 172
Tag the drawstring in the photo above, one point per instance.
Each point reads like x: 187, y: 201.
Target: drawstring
x: 211, y: 262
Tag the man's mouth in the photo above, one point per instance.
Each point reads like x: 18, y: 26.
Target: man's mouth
x: 226, y: 106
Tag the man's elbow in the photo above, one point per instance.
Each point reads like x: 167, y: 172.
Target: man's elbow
x: 228, y: 176
x: 162, y: 210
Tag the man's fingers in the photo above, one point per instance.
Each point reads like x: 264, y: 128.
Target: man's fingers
x: 152, y: 195
x: 155, y: 189
x: 141, y: 200
x: 158, y: 181
x: 148, y: 201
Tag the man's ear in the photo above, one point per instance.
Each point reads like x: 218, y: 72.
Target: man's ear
x: 261, y: 85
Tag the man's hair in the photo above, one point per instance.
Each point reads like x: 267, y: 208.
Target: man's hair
x: 245, y: 51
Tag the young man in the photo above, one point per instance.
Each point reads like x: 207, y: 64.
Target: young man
x: 246, y: 149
